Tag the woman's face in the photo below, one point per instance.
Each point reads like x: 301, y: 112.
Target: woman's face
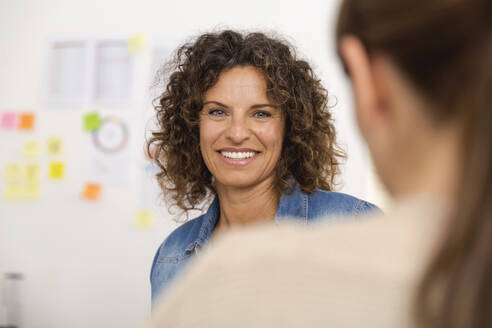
x: 241, y: 130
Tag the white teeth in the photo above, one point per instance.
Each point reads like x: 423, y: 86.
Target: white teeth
x: 237, y: 155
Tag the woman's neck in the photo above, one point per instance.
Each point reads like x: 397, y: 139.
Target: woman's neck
x: 438, y: 170
x: 239, y: 206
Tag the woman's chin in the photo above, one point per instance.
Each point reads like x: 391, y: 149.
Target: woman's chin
x: 237, y: 182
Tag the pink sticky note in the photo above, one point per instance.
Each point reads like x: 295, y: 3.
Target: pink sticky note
x: 8, y: 120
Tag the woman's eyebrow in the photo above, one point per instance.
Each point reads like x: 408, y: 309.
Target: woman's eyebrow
x: 216, y: 103
x: 256, y: 106
x: 263, y: 105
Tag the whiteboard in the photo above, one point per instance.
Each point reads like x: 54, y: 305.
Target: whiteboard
x: 84, y: 263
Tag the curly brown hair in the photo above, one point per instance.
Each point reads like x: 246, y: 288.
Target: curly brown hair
x: 310, y: 156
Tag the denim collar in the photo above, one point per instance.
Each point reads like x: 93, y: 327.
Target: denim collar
x: 292, y: 206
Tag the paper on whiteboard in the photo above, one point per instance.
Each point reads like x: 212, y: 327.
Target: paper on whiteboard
x: 67, y: 70
x: 114, y: 72
x: 109, y: 154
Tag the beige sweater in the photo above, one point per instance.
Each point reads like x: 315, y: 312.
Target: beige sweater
x: 357, y: 274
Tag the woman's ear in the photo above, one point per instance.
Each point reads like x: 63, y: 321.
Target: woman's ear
x: 364, y: 88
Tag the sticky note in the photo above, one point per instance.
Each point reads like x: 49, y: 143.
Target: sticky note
x: 91, y: 191
x: 92, y: 121
x: 56, y: 170
x: 12, y: 171
x: 26, y: 121
x: 13, y: 190
x: 30, y: 190
x: 136, y: 43
x: 31, y: 172
x: 8, y: 120
x: 31, y: 148
x: 144, y: 219
x: 54, y: 146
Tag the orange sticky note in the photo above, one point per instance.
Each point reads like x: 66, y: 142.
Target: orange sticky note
x: 56, y: 170
x: 26, y: 121
x: 91, y: 191
x: 144, y: 219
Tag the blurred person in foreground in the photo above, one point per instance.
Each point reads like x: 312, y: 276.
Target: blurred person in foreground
x: 244, y: 128
x: 421, y: 73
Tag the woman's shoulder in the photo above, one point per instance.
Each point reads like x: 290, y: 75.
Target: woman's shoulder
x: 323, y: 202
x: 181, y: 238
x: 172, y: 254
x: 194, y: 232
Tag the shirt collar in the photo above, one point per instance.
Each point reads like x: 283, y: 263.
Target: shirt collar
x: 292, y: 206
x: 209, y: 221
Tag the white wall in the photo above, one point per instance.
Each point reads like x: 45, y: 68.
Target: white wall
x: 84, y: 264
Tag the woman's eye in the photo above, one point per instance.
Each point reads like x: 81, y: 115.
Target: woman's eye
x: 216, y: 112
x: 262, y: 114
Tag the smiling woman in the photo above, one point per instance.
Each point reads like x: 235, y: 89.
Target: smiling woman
x: 245, y: 122
x: 241, y: 135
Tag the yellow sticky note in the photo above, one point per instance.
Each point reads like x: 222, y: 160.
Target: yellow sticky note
x: 13, y: 190
x: 30, y: 191
x: 56, y: 170
x: 144, y: 219
x: 31, y: 172
x: 54, y: 146
x: 91, y: 191
x: 12, y: 171
x: 31, y: 148
x: 136, y: 43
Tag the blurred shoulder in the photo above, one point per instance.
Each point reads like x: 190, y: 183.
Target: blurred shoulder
x: 324, y: 269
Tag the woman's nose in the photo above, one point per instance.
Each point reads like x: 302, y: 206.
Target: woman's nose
x: 238, y: 130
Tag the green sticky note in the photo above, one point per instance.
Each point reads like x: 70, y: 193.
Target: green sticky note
x: 92, y: 121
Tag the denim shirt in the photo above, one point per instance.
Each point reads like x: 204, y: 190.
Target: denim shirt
x: 174, y: 253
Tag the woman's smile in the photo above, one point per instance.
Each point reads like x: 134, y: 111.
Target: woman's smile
x: 238, y: 157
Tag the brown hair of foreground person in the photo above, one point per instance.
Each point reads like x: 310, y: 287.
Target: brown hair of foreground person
x: 309, y: 155
x: 445, y: 48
